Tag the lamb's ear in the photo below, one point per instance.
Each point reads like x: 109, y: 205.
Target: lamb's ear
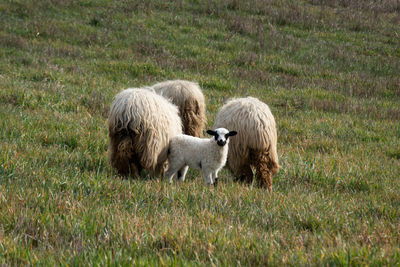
x: 232, y: 133
x: 211, y: 132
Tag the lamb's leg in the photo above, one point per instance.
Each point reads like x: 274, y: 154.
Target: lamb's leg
x: 215, y: 177
x: 159, y: 170
x: 173, y: 168
x: 170, y: 174
x: 182, y: 173
x: 207, y: 176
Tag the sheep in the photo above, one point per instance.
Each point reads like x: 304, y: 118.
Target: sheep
x: 190, y: 101
x: 208, y: 155
x: 141, y: 125
x: 256, y: 144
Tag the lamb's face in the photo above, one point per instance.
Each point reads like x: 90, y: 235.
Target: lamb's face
x: 221, y: 135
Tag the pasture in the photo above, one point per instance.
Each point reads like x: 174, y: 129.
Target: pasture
x: 329, y: 70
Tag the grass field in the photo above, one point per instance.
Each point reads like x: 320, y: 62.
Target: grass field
x: 329, y: 70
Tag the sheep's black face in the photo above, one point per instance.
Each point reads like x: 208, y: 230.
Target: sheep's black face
x: 221, y: 135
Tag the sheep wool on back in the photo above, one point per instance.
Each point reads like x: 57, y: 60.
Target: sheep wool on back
x: 189, y: 99
x: 141, y: 125
x: 256, y: 143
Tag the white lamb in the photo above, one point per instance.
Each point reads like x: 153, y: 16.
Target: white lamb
x: 208, y: 155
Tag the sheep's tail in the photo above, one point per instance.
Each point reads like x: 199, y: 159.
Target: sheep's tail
x: 266, y: 165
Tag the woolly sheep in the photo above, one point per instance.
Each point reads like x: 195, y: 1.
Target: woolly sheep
x: 188, y: 97
x: 208, y: 155
x: 255, y: 145
x: 141, y: 125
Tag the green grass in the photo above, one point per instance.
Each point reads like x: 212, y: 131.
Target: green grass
x: 329, y: 70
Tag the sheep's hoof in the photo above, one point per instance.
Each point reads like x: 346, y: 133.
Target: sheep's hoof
x: 216, y: 182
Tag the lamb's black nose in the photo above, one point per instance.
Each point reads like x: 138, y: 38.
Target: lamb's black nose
x: 221, y: 143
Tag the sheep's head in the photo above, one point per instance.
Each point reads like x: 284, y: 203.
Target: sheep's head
x: 221, y: 135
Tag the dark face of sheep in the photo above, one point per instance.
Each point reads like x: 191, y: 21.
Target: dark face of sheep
x: 221, y: 135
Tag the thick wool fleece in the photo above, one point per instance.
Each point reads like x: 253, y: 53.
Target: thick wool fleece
x: 141, y: 125
x: 189, y: 99
x: 256, y: 142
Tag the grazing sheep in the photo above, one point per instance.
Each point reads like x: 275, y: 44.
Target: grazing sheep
x: 188, y: 97
x: 208, y: 155
x: 255, y: 145
x: 141, y: 125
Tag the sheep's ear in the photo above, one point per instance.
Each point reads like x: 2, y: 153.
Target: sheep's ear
x: 211, y: 132
x: 232, y: 133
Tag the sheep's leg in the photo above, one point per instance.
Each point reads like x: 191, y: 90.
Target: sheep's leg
x: 245, y: 174
x: 264, y: 177
x: 182, y: 173
x: 265, y: 169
